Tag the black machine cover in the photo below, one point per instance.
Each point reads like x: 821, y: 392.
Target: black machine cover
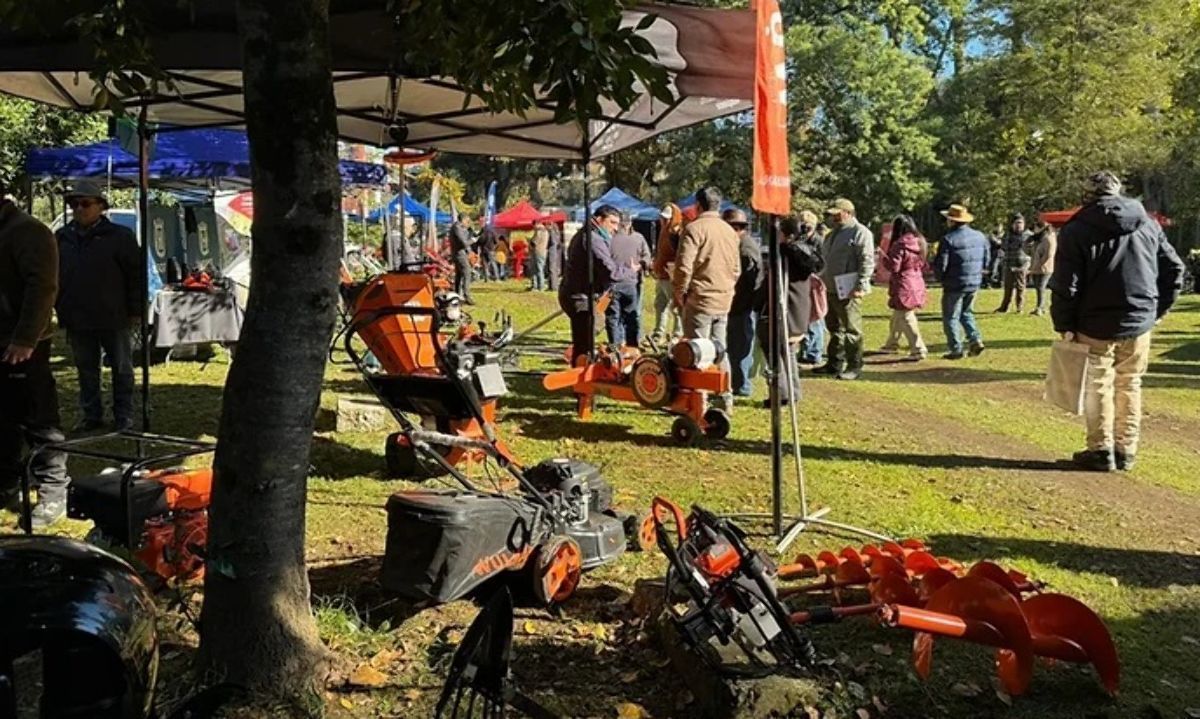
x: 442, y: 545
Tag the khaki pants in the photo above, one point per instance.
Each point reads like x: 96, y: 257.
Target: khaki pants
x: 1113, y: 394
x: 697, y: 325
x: 904, y: 324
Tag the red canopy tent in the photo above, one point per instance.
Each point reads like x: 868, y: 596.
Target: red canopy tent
x: 1058, y: 218
x: 523, y: 215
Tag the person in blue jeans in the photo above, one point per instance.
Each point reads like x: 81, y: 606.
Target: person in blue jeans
x: 746, y: 297
x: 623, y: 318
x: 961, y: 258
x: 100, y: 298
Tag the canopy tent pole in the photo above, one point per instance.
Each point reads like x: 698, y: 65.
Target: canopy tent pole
x: 403, y: 195
x: 773, y: 352
x: 587, y: 237
x: 144, y: 231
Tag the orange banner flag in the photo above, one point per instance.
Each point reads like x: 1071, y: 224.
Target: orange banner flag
x: 772, y: 176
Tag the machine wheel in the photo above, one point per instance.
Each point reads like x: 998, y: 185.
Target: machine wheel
x: 650, y: 381
x: 557, y: 566
x: 639, y: 532
x: 404, y: 462
x: 718, y: 424
x: 686, y: 431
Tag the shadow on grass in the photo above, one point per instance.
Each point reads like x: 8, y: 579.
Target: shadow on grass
x: 1136, y: 567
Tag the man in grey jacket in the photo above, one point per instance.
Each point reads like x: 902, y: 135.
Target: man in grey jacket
x: 849, y: 253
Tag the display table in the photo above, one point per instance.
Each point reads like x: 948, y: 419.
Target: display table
x: 187, y: 318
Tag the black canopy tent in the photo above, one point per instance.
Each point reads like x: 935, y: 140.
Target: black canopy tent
x: 708, y: 55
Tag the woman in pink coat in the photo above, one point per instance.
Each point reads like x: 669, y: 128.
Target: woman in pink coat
x: 905, y: 259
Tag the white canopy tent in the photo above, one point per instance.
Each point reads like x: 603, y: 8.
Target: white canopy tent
x: 708, y: 55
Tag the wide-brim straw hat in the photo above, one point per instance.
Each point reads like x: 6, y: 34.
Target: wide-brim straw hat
x: 958, y: 213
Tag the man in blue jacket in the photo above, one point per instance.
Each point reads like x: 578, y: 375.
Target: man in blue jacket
x: 1115, y: 276
x: 961, y: 258
x: 579, y: 286
x: 101, y: 294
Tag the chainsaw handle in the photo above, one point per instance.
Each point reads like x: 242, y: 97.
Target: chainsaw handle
x: 662, y: 508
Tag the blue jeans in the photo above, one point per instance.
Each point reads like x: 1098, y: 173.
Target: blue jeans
x: 623, y: 318
x: 814, y: 343
x: 118, y: 346
x: 741, y: 352
x: 959, y: 308
x: 539, y: 271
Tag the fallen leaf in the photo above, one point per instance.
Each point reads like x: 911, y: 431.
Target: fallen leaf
x: 1192, y: 713
x: 629, y: 710
x: 812, y: 713
x: 1190, y: 640
x: 601, y: 633
x: 384, y: 657
x: 529, y: 627
x: 879, y: 705
x: 629, y: 677
x: 368, y: 676
x: 883, y: 649
x: 862, y: 713
x: 969, y: 689
x: 1004, y: 697
x: 1114, y: 581
x: 346, y: 703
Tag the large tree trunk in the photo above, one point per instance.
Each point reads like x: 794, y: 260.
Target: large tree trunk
x: 257, y: 626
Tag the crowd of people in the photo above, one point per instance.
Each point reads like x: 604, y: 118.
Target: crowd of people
x: 1105, y: 280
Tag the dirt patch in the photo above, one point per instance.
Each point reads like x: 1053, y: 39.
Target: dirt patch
x: 1159, y: 513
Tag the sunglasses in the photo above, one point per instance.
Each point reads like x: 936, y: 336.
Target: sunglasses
x: 85, y: 203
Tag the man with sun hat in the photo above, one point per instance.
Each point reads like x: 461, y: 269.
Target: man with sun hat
x: 961, y: 258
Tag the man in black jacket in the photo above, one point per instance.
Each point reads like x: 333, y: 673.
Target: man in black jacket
x: 741, y: 312
x: 1115, y: 276
x: 460, y: 247
x: 585, y: 280
x: 28, y: 401
x: 101, y: 296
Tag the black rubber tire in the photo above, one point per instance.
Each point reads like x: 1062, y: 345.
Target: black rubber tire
x: 404, y: 462
x: 686, y: 432
x: 718, y: 424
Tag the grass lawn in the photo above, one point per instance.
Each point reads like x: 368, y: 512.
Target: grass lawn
x: 962, y: 454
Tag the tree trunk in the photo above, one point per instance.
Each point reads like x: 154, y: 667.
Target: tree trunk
x: 257, y: 626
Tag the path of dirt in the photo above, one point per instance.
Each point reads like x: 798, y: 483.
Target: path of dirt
x: 1161, y: 516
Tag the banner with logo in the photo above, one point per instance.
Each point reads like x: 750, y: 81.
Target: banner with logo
x: 772, y: 176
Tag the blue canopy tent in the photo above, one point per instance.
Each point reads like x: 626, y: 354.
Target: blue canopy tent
x: 180, y: 157
x: 625, y: 202
x: 412, y: 208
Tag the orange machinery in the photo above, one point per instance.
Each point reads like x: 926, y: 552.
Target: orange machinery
x: 415, y: 329
x: 677, y: 382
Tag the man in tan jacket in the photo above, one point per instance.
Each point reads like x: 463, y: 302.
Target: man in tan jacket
x: 707, y: 266
x: 1045, y: 243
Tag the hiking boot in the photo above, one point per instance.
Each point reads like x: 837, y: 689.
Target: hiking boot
x: 827, y: 368
x: 1038, y: 312
x: 918, y: 354
x: 976, y: 349
x: 850, y: 373
x: 84, y: 426
x: 888, y: 350
x: 956, y: 355
x: 46, y: 514
x: 1094, y: 460
x: 1123, y: 461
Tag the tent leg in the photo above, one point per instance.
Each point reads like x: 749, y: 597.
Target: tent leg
x: 144, y: 231
x: 587, y: 236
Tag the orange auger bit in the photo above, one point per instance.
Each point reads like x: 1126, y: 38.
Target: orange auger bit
x: 908, y: 586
